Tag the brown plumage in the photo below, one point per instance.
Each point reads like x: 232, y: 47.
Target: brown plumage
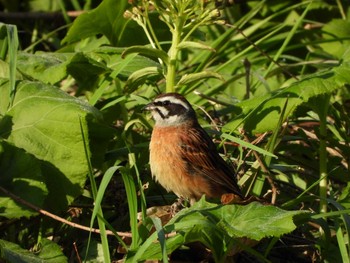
x: 183, y: 158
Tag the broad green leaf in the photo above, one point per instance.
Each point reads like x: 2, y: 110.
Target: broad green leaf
x: 261, y: 114
x: 50, y: 252
x: 337, y: 34
x: 123, y: 67
x: 96, y: 70
x: 217, y: 226
x: 86, y: 69
x: 43, y: 66
x: 93, y: 253
x: 44, y: 121
x: 106, y: 19
x: 12, y: 252
x: 257, y: 221
x: 21, y: 175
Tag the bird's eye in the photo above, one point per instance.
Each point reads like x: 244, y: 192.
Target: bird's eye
x: 162, y: 103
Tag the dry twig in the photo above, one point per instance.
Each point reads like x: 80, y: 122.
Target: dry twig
x: 57, y: 218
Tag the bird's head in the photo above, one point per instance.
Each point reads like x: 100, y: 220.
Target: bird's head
x: 171, y: 109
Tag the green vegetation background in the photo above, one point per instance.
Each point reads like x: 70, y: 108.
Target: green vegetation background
x: 269, y: 81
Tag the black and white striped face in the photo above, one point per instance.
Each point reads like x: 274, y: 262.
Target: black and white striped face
x: 170, y: 109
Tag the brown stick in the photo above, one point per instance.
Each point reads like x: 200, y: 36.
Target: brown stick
x: 57, y: 218
x: 38, y: 15
x: 76, y: 252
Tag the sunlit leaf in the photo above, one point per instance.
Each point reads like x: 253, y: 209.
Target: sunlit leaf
x: 261, y: 114
x: 106, y: 19
x: 337, y: 34
x: 195, y: 45
x: 146, y: 51
x: 216, y: 226
x: 193, y: 77
x: 50, y: 252
x: 21, y: 175
x: 45, y: 67
x: 139, y: 77
x: 44, y: 121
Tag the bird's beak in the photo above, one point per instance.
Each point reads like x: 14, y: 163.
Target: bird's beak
x: 148, y: 107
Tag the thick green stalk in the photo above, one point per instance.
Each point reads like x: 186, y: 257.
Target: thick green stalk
x: 173, y: 54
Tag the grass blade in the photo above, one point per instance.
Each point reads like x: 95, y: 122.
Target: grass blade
x: 341, y: 243
x: 13, y: 46
x: 102, y: 227
x: 132, y: 204
x: 161, y: 237
x: 288, y: 39
x: 247, y: 145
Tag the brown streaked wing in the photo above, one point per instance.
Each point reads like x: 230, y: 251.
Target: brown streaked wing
x: 200, y: 152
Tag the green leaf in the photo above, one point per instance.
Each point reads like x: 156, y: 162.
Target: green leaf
x: 261, y: 114
x: 161, y: 237
x: 216, y: 226
x: 46, y: 67
x: 50, y: 252
x: 124, y: 67
x: 137, y: 78
x: 13, y: 46
x: 101, y: 192
x: 247, y: 145
x: 43, y: 5
x: 257, y: 221
x: 194, y: 45
x: 93, y: 253
x: 86, y: 69
x: 337, y: 36
x: 96, y: 70
x: 5, y: 71
x: 194, y: 77
x: 132, y: 204
x: 44, y: 121
x: 106, y: 19
x: 148, y: 52
x: 254, y: 220
x: 12, y: 252
x: 21, y: 175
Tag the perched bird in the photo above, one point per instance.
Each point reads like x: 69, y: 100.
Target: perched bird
x: 183, y: 158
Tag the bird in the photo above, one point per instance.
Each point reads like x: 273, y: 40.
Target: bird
x: 183, y: 158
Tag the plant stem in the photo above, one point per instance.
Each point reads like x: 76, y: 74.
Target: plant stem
x: 323, y: 163
x: 322, y: 113
x: 173, y: 53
